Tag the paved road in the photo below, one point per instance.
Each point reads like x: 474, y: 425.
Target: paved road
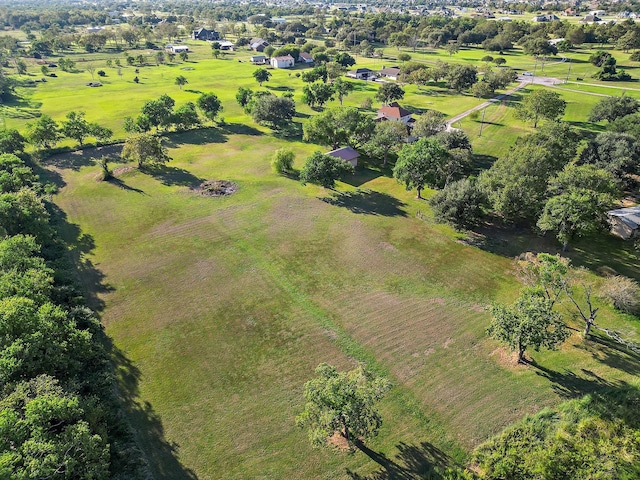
x: 524, y: 81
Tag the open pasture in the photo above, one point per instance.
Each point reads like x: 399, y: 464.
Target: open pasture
x: 221, y: 308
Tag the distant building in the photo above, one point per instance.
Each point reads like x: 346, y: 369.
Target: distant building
x: 204, y: 34
x: 305, y: 57
x: 258, y: 44
x: 624, y: 222
x: 283, y: 62
x: 347, y: 154
x: 226, y: 45
x: 545, y: 18
x: 279, y: 20
x: 177, y: 49
x: 591, y: 19
x: 259, y: 59
x: 394, y: 112
x: 392, y: 73
x: 360, y: 73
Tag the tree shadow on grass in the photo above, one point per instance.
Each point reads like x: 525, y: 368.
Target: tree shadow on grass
x: 362, y: 175
x: 568, y: 384
x: 79, y: 245
x: 368, y: 202
x: 191, y: 90
x: 413, y: 462
x: 81, y: 158
x: 150, y: 436
x: 199, y: 136
x: 120, y: 184
x: 160, y: 456
x: 169, y: 176
x: 611, y: 353
x: 241, y: 129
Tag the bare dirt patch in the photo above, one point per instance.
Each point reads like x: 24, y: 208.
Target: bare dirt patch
x: 338, y: 441
x: 216, y: 188
x: 506, y: 358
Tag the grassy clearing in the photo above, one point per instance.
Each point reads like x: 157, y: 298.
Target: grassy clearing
x: 225, y: 306
x: 221, y: 308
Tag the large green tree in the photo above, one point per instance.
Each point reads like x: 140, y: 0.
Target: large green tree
x: 276, y: 112
x: 44, y: 132
x: 611, y: 108
x: 324, y: 170
x: 210, y: 105
x: 144, y: 148
x: 389, y: 92
x: 44, y: 434
x: 261, y: 75
x: 580, y: 197
x: 160, y: 111
x: 425, y: 163
x: 339, y: 126
x: 541, y: 104
x: 387, y: 137
x: 529, y: 323
x: 344, y: 403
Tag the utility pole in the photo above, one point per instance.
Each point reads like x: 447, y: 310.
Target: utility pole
x: 568, y: 72
x: 482, y: 121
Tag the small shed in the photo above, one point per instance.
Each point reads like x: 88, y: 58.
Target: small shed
x: 258, y: 59
x: 625, y: 222
x: 286, y: 61
x: 305, y: 57
x: 347, y: 154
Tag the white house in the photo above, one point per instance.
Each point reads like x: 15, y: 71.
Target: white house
x: 279, y: 20
x: 392, y: 73
x: 625, y: 222
x: 283, y: 62
x: 598, y: 13
x: 177, y: 49
x: 360, y: 73
x: 259, y: 59
x: 226, y: 45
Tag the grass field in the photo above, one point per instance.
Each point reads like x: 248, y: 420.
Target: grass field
x: 220, y: 309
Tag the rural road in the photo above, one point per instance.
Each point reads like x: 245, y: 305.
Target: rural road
x: 524, y: 81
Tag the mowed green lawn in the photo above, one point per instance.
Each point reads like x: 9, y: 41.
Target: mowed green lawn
x: 220, y: 309
x: 223, y: 307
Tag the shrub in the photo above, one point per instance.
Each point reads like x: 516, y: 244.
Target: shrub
x: 282, y: 160
x: 459, y: 204
x: 367, y: 103
x: 101, y: 73
x: 623, y: 292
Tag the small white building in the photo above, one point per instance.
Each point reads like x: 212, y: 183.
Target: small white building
x: 597, y: 13
x: 226, y: 45
x: 177, y: 49
x: 259, y: 59
x: 283, y: 62
x: 279, y: 20
x: 360, y: 73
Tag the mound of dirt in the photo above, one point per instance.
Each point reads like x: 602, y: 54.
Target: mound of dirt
x: 216, y: 188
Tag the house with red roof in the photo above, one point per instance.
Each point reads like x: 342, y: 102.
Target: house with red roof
x: 395, y: 112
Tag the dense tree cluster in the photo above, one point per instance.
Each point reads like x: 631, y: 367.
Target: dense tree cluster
x: 58, y: 412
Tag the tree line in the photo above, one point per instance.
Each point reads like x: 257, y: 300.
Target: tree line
x: 59, y: 413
